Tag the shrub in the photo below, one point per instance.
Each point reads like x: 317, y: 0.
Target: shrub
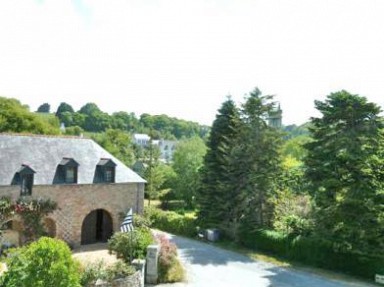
x: 170, y: 268
x: 171, y: 221
x: 119, y: 270
x: 134, y: 243
x: 45, y: 263
x: 98, y: 270
x: 92, y: 272
x: 314, y: 251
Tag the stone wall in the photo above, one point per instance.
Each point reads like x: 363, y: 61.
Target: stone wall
x: 76, y: 201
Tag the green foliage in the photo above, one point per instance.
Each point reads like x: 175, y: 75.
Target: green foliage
x: 135, y: 243
x: 44, y: 108
x: 119, y: 270
x: 171, y: 221
x: 172, y: 128
x: 215, y: 174
x: 255, y: 166
x: 14, y: 117
x: 294, y: 147
x: 170, y: 268
x: 94, y: 119
x: 345, y: 167
x: 99, y: 270
x: 45, y: 263
x: 6, y: 210
x: 32, y: 211
x: 74, y: 131
x: 118, y: 143
x: 292, y: 213
x: 187, y: 161
x: 91, y: 272
x: 314, y: 251
x: 152, y: 172
x: 242, y: 167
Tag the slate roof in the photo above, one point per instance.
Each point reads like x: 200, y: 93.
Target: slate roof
x: 44, y: 153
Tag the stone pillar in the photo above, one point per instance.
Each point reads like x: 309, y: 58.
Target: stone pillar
x: 152, y: 262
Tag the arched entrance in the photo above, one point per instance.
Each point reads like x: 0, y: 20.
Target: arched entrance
x: 97, y: 227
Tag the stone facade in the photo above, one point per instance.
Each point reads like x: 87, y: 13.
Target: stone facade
x: 76, y: 201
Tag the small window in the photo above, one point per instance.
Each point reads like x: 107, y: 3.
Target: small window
x: 66, y: 171
x: 26, y: 184
x: 24, y: 178
x: 105, y: 171
x: 70, y: 174
x: 108, y: 174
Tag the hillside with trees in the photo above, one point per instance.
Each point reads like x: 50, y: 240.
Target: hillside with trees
x: 90, y: 118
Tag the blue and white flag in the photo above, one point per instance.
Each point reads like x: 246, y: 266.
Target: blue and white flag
x: 127, y: 224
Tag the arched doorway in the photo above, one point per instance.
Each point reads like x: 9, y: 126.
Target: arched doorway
x: 96, y: 227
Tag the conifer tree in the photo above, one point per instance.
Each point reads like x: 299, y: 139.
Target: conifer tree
x: 256, y: 161
x: 212, y: 196
x: 345, y: 168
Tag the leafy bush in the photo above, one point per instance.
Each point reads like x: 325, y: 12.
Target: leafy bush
x: 119, y: 270
x: 45, y: 263
x: 170, y: 268
x: 314, y: 251
x: 98, y: 270
x: 91, y: 272
x: 126, y: 243
x: 171, y: 221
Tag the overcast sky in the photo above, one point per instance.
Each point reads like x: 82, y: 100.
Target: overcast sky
x: 183, y: 58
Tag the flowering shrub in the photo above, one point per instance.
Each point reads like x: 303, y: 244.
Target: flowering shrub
x: 32, y: 212
x: 170, y: 268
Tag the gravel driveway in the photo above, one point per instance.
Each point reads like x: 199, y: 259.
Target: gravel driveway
x: 210, y: 266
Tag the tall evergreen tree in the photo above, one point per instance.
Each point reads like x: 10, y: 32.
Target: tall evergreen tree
x: 345, y: 167
x: 212, y: 196
x: 256, y: 161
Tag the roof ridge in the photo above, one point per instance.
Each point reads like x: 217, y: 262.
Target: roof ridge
x: 44, y: 136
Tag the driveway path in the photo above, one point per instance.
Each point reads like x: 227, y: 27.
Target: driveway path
x: 210, y: 266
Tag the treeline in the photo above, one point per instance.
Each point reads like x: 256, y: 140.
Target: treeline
x: 317, y: 197
x: 90, y: 118
x: 113, y: 132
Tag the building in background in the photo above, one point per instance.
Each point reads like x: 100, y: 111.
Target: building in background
x: 275, y: 118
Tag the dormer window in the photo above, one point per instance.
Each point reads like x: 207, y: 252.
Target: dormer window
x: 24, y: 178
x: 105, y: 171
x: 66, y: 171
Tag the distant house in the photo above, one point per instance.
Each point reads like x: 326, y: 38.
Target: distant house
x: 91, y: 187
x: 166, y: 147
x: 141, y: 139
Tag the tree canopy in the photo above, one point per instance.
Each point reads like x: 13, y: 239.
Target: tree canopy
x: 15, y: 117
x: 345, y: 168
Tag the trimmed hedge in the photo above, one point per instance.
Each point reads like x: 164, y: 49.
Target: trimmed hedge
x: 315, y: 252
x: 170, y: 221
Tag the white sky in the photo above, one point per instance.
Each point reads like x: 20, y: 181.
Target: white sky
x: 182, y: 58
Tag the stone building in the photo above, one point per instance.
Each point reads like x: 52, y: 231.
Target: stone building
x: 91, y: 187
